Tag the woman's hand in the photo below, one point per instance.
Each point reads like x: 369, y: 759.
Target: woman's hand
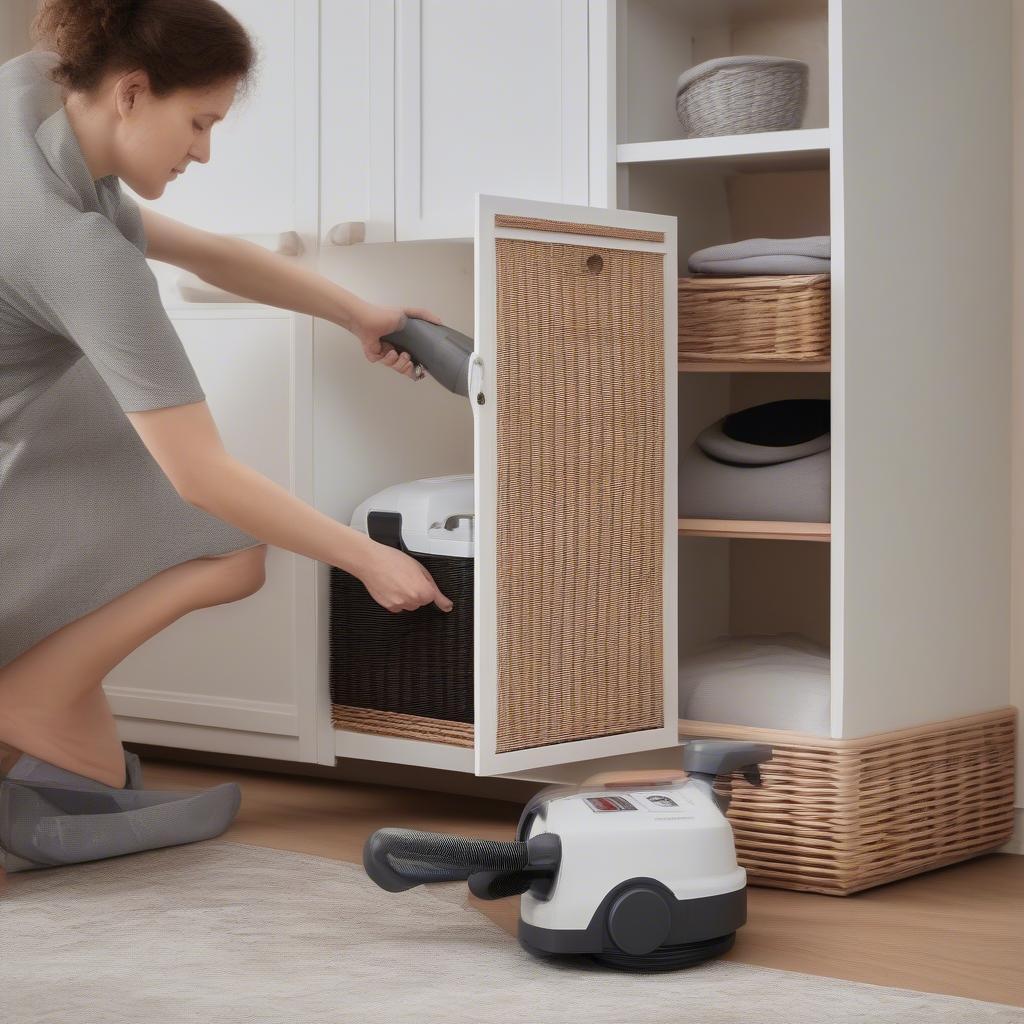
x: 398, y: 582
x: 373, y: 322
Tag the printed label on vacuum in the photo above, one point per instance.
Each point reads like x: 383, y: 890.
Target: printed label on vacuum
x: 655, y: 801
x: 609, y: 803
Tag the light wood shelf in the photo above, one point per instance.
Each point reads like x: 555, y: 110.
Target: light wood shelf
x: 755, y: 530
x: 765, y: 366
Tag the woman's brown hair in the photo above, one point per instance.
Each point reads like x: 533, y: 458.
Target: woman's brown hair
x: 178, y: 43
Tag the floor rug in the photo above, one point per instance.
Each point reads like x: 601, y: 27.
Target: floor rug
x: 227, y: 933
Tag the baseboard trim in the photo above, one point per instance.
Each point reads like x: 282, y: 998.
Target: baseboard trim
x: 354, y: 770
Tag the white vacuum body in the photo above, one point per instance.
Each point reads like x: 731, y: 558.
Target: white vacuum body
x: 640, y: 877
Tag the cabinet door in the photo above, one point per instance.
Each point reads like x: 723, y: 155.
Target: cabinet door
x: 490, y: 97
x: 261, y: 176
x: 574, y: 400
x: 238, y: 668
x: 357, y: 100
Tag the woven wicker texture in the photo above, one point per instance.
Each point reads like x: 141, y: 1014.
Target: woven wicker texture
x: 413, y: 663
x: 839, y: 816
x: 580, y: 491
x: 391, y: 723
x: 739, y: 95
x: 738, y: 319
x: 510, y: 220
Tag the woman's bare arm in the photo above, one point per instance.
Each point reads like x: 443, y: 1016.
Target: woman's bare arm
x: 185, y: 442
x: 246, y: 269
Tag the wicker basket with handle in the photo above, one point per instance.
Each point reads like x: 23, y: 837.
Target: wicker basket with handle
x: 837, y: 816
x: 755, y: 319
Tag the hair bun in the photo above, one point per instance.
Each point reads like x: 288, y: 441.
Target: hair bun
x: 83, y: 32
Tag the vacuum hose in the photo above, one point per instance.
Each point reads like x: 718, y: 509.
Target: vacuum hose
x: 400, y: 858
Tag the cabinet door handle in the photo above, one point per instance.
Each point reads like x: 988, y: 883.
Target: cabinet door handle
x: 347, y: 233
x: 289, y: 243
x: 476, y: 381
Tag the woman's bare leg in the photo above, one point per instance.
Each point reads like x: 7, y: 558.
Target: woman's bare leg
x: 52, y: 705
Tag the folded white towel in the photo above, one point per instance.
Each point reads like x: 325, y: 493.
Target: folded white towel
x: 770, y: 682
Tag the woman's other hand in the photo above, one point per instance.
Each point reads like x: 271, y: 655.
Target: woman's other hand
x: 398, y: 582
x: 376, y: 321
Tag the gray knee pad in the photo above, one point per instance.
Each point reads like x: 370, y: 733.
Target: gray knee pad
x: 46, y: 825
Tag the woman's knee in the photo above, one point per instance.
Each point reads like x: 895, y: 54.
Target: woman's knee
x: 244, y: 572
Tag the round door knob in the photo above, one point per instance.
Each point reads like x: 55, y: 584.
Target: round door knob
x: 347, y: 233
x: 639, y: 920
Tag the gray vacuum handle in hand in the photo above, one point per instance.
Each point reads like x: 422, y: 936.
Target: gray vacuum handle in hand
x: 442, y: 351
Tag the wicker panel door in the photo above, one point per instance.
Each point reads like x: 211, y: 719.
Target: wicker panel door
x: 574, y: 402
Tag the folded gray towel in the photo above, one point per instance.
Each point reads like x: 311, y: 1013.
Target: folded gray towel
x: 756, y: 256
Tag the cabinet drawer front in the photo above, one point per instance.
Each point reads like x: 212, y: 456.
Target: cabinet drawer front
x: 474, y: 115
x: 576, y: 524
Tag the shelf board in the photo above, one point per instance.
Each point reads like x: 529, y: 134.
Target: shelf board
x: 754, y: 530
x: 802, y: 149
x: 751, y: 366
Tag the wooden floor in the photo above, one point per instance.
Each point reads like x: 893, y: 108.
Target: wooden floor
x: 958, y: 931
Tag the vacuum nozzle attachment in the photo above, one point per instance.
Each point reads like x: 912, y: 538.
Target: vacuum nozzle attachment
x: 442, y: 351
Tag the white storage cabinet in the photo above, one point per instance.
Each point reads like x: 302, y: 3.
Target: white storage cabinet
x: 424, y: 105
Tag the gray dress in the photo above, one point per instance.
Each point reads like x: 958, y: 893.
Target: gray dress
x: 86, y: 513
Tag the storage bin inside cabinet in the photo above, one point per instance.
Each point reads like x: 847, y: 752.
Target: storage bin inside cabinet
x: 404, y: 673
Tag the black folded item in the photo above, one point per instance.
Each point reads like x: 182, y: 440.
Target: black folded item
x: 767, y: 462
x: 764, y: 435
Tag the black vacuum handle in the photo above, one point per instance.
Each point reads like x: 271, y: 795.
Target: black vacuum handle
x: 399, y: 858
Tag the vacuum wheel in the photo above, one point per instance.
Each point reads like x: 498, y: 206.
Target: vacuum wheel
x: 667, y: 958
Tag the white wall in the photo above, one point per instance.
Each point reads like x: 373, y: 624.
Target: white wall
x: 15, y: 16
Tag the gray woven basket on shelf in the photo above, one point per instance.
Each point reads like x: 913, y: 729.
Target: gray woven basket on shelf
x: 742, y: 94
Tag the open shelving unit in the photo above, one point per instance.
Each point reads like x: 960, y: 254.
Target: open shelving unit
x: 724, y: 189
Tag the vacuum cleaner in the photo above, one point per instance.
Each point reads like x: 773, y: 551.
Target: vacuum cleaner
x: 634, y: 876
